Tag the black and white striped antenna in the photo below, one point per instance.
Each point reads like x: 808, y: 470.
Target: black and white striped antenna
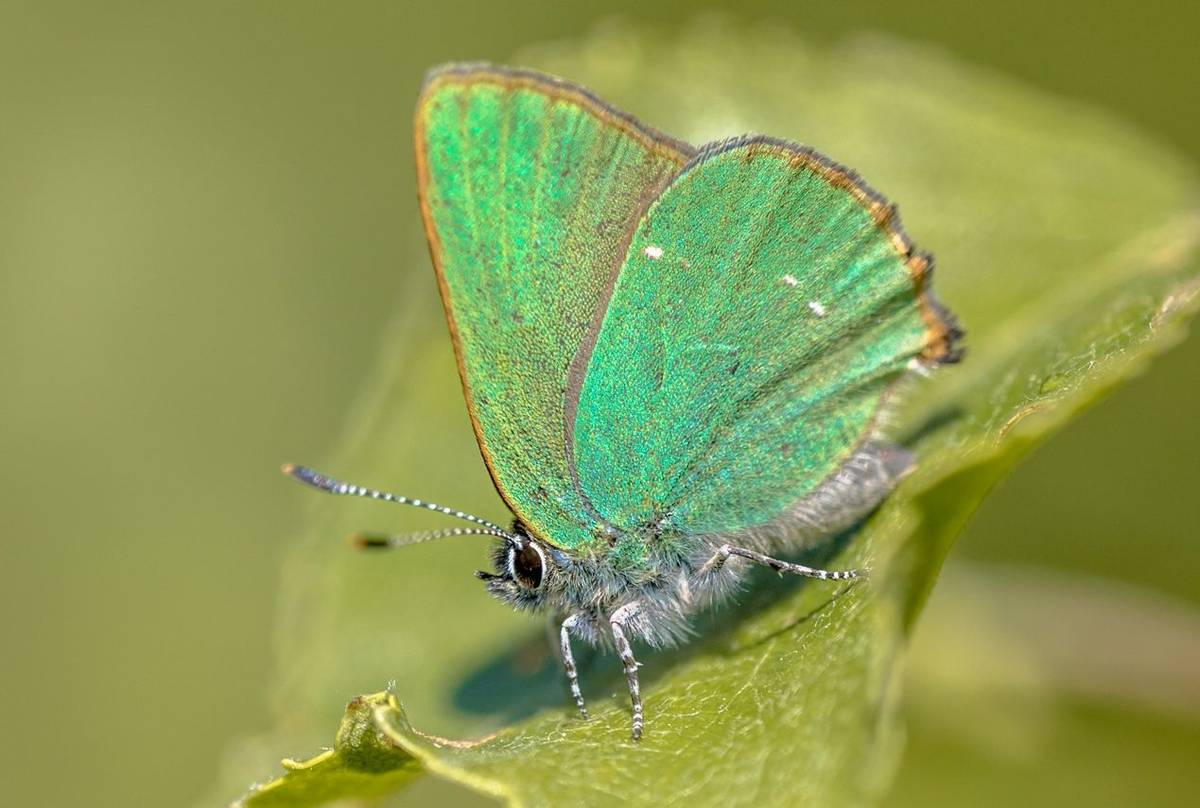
x: 331, y: 486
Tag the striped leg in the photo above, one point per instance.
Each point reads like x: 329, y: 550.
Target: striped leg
x: 617, y: 623
x: 568, y: 660
x: 726, y: 550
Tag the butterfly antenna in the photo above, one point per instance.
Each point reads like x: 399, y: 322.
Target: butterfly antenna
x: 383, y: 541
x: 332, y: 486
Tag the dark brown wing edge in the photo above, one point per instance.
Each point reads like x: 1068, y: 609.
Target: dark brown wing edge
x: 656, y: 142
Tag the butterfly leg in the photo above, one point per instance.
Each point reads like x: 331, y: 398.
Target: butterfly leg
x: 568, y: 660
x: 617, y: 622
x: 726, y: 550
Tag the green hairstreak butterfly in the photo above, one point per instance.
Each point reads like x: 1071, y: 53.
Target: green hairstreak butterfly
x: 675, y: 359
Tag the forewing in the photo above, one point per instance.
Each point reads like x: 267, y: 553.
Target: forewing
x: 767, y: 302
x: 530, y: 188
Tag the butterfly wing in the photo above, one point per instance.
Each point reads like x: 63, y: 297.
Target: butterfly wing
x: 530, y: 188
x: 767, y: 302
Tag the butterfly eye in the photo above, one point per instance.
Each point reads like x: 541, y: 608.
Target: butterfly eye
x: 527, y: 565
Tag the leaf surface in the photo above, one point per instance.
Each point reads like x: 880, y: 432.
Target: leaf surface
x: 1066, y: 244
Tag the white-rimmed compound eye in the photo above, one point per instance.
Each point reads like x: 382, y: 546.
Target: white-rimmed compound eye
x: 527, y: 565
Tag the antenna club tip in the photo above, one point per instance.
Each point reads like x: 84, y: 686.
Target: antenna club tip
x: 289, y: 469
x: 366, y: 541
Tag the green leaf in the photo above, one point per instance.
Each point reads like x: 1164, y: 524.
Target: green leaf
x: 1066, y: 243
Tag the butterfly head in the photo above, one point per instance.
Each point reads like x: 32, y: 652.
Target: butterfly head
x: 526, y: 571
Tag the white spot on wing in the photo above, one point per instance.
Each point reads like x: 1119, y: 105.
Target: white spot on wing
x: 653, y: 252
x: 816, y: 308
x: 790, y: 280
x: 918, y: 367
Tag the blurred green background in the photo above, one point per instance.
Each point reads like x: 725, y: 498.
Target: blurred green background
x: 207, y: 212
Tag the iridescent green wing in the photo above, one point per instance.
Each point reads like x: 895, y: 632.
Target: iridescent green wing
x: 530, y: 188
x: 767, y: 302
